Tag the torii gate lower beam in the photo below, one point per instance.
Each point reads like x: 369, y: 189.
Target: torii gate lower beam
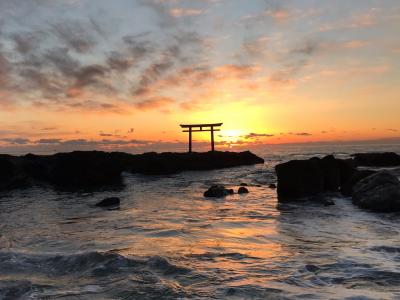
x: 199, y: 128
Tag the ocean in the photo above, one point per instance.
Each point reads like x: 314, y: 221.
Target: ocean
x: 166, y: 241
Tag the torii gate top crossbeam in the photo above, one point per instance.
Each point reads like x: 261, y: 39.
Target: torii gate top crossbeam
x: 201, y: 125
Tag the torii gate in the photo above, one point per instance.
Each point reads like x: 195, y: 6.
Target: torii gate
x: 200, y: 127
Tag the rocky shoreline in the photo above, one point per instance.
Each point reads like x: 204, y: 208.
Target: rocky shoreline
x: 83, y: 169
x: 371, y: 189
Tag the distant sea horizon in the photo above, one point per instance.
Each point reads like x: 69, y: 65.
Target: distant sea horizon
x: 387, y: 143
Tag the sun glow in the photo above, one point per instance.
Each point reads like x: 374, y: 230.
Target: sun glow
x: 232, y: 135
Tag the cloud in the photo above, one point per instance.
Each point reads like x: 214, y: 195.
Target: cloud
x: 75, y: 35
x: 300, y: 133
x: 253, y: 135
x: 154, y: 103
x: 181, y: 12
x: 48, y: 141
x: 16, y: 141
x: 355, y: 44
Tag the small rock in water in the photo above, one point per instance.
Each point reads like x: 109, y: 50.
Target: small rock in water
x: 329, y: 202
x: 311, y: 268
x: 111, y: 201
x: 272, y: 186
x: 243, y: 190
x: 217, y: 191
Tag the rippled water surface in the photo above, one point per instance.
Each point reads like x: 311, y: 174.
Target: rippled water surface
x: 168, y: 242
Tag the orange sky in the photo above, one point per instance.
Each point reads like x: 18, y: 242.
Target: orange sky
x: 126, y: 74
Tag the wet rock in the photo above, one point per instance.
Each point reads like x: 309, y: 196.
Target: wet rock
x: 168, y: 163
x: 111, y: 201
x: 243, y: 184
x: 85, y: 169
x: 7, y: 172
x: 299, y: 178
x: 328, y: 202
x: 92, y: 169
x: 384, y: 159
x: 10, y: 175
x: 347, y: 188
x: 378, y: 192
x: 272, y: 186
x: 243, y: 190
x: 304, y: 178
x: 217, y: 191
x: 331, y: 170
x: 347, y: 168
x: 311, y: 268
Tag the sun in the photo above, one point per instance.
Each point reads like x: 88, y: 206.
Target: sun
x: 231, y: 135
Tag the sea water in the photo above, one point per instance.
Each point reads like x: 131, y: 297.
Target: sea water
x: 166, y: 241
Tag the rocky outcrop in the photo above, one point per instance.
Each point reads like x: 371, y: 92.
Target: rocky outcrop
x: 384, y: 159
x: 7, y: 172
x: 378, y: 192
x: 301, y: 178
x: 89, y: 169
x: 85, y: 169
x: 167, y: 163
x: 217, y: 191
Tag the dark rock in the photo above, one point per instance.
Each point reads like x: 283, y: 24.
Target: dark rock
x: 347, y: 188
x: 168, y: 163
x: 111, y: 201
x: 91, y: 169
x: 299, y: 178
x: 311, y: 268
x: 10, y: 175
x: 243, y: 184
x: 384, y: 159
x: 328, y: 202
x: 217, y: 191
x: 303, y: 178
x: 243, y: 190
x: 378, y: 192
x: 85, y: 169
x: 272, y: 186
x: 331, y: 170
x: 347, y: 168
x: 7, y: 172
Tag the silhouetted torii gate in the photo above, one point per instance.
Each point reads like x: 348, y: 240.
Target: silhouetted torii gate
x: 200, y: 127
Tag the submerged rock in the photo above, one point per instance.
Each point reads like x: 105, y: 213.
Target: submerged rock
x: 111, y: 201
x: 243, y: 190
x: 378, y: 192
x: 217, y: 191
x: 384, y: 159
